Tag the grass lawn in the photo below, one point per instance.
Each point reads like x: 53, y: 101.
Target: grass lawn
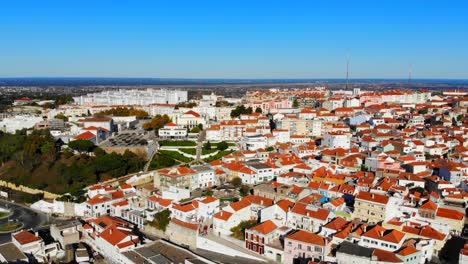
x: 180, y: 143
x: 10, y: 226
x: 231, y: 144
x: 4, y: 214
x: 219, y: 155
x: 193, y: 151
x: 175, y: 155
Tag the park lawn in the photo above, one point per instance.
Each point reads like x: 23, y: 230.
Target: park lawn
x: 4, y: 214
x: 179, y: 143
x: 193, y: 151
x: 10, y: 226
x: 231, y: 144
x: 175, y: 155
x: 218, y: 155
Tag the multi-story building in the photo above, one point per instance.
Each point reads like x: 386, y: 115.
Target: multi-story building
x: 305, y: 245
x: 133, y: 97
x: 374, y: 207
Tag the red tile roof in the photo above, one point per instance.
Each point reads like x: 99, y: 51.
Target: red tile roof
x: 184, y: 224
x: 386, y: 256
x: 223, y: 215
x: 25, y: 237
x: 85, y: 136
x: 450, y: 213
x: 191, y: 112
x: 265, y: 227
x: 308, y: 237
x: 373, y: 197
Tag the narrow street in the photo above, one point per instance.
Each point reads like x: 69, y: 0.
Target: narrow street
x: 200, y: 140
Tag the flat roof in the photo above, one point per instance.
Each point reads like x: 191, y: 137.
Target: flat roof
x: 11, y: 253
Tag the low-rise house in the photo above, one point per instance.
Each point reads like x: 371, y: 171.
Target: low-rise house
x: 305, y: 245
x: 32, y: 244
x: 66, y: 233
x: 258, y: 236
x: 374, y: 207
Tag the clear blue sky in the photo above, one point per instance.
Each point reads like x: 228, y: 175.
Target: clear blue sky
x: 233, y: 39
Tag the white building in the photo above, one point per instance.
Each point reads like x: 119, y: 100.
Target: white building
x: 337, y: 140
x: 18, y: 122
x: 172, y: 130
x: 133, y: 97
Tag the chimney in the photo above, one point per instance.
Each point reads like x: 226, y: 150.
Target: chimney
x: 308, y: 213
x: 110, y: 231
x: 221, y: 213
x: 261, y: 202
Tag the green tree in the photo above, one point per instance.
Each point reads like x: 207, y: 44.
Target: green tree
x: 223, y: 145
x: 207, y: 146
x: 161, y: 220
x: 159, y: 121
x: 237, y: 182
x: 82, y: 145
x: 270, y: 148
x: 258, y: 110
x: 295, y: 103
x: 423, y: 111
x: 244, y: 190
x: 239, y: 230
x: 62, y: 116
x: 195, y: 130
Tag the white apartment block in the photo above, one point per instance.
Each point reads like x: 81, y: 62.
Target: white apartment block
x: 133, y: 97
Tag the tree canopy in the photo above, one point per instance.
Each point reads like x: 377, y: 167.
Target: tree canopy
x: 161, y: 220
x: 159, y: 121
x: 82, y: 145
x: 124, y: 111
x: 35, y: 160
x: 223, y: 145
x: 240, y: 110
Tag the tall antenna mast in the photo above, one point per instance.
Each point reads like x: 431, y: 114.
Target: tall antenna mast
x: 410, y: 72
x: 347, y: 68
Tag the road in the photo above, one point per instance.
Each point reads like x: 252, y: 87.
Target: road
x: 30, y: 218
x: 201, y: 138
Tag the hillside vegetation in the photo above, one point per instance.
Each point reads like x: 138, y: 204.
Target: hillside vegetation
x: 36, y: 161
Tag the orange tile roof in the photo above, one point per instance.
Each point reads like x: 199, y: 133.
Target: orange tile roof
x: 285, y: 205
x: 386, y: 256
x: 308, y: 237
x: 97, y: 199
x: 429, y: 205
x: 265, y: 227
x: 240, y: 204
x: 114, y: 235
x: 25, y: 237
x: 373, y: 197
x: 389, y: 235
x: 318, y: 213
x: 406, y: 251
x: 85, y: 136
x: 223, y: 215
x: 255, y: 199
x: 184, y: 224
x: 450, y: 213
x: 191, y: 112
x: 209, y: 199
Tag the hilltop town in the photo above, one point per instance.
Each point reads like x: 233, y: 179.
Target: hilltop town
x: 298, y: 175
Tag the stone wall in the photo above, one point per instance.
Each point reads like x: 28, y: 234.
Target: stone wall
x: 22, y: 188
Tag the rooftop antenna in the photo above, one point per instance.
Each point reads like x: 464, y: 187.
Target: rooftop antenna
x: 347, y: 68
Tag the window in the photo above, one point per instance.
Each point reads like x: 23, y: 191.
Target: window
x: 309, y: 248
x: 318, y: 249
x: 299, y: 246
